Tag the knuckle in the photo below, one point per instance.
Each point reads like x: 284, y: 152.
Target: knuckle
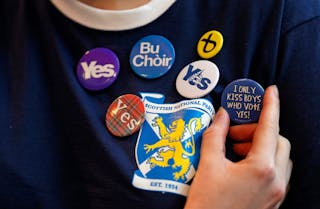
x: 212, y: 131
x: 267, y: 175
x: 266, y: 172
x: 278, y: 192
x: 208, y: 131
x: 285, y: 142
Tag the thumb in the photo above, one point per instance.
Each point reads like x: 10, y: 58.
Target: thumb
x: 214, y: 138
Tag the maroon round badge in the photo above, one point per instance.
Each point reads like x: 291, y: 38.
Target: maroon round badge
x: 125, y: 115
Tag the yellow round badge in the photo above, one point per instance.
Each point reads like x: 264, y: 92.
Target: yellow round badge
x: 210, y: 44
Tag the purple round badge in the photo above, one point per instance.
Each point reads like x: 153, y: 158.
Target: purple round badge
x: 98, y: 68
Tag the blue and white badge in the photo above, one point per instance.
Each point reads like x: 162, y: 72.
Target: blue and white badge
x: 152, y: 56
x: 197, y: 79
x: 168, y: 146
x: 242, y: 99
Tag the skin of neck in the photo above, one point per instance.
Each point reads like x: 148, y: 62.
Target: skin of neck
x: 115, y: 4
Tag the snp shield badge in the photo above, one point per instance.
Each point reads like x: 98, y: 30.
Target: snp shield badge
x: 167, y: 149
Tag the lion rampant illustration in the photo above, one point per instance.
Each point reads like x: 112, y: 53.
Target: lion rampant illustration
x: 171, y: 147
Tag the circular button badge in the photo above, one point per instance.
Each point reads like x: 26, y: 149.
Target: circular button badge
x: 98, y: 68
x: 152, y: 56
x: 197, y: 79
x: 242, y: 99
x: 210, y: 44
x: 125, y: 115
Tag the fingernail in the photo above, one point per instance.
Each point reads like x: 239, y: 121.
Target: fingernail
x: 219, y: 115
x: 275, y: 90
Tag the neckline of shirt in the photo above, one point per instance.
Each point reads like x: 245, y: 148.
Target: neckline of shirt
x: 112, y: 20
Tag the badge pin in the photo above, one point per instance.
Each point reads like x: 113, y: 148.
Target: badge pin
x: 168, y: 145
x: 210, y: 44
x: 197, y: 79
x: 125, y: 115
x: 152, y: 56
x: 98, y: 69
x: 242, y: 99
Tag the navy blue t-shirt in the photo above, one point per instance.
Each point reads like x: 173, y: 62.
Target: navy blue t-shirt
x: 55, y: 151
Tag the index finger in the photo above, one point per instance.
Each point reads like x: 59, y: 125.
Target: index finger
x: 266, y: 136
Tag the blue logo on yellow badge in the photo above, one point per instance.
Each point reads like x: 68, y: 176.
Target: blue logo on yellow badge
x: 167, y: 150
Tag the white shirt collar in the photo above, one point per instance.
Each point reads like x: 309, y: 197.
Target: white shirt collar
x: 112, y: 20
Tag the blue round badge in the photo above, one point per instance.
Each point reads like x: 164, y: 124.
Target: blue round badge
x: 152, y: 56
x: 98, y: 68
x: 242, y: 99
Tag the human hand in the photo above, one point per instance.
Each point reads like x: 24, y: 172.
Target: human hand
x: 260, y: 180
